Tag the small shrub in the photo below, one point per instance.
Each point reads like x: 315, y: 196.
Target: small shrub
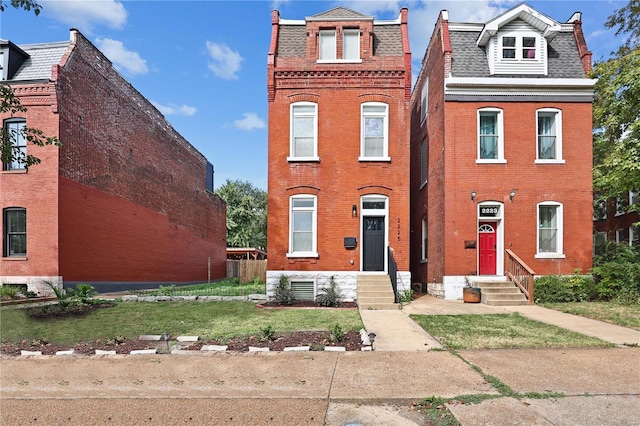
x: 337, y: 335
x: 84, y: 292
x: 284, y: 295
x: 405, y: 296
x: 330, y: 295
x: 268, y: 332
x: 31, y: 294
x: 9, y: 292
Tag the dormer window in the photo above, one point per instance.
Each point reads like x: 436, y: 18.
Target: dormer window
x: 518, y: 47
x: 330, y: 50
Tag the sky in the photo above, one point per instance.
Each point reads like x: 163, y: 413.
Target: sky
x: 203, y: 63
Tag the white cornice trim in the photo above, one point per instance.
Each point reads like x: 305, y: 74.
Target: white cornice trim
x: 511, y: 86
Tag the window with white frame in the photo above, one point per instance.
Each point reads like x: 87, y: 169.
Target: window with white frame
x: 14, y: 236
x: 633, y: 198
x: 351, y: 44
x: 14, y: 129
x: 620, y: 235
x: 519, y: 48
x: 304, y: 132
x: 302, y: 226
x: 490, y: 136
x: 327, y: 45
x: 424, y: 101
x: 424, y: 162
x: 619, y: 206
x: 424, y: 239
x: 550, y: 230
x: 374, y: 132
x: 549, y: 135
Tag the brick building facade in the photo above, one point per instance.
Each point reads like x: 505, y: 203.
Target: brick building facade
x: 501, y: 145
x: 338, y: 201
x: 124, y: 199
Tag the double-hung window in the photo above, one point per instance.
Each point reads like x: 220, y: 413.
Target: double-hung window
x: 304, y: 132
x: 14, y: 130
x: 550, y: 230
x: 351, y: 44
x: 302, y: 226
x: 549, y: 136
x: 424, y: 101
x: 374, y: 132
x: 327, y: 45
x: 424, y: 162
x: 14, y: 226
x: 490, y: 136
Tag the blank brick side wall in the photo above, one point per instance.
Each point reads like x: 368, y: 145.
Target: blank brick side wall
x: 117, y: 143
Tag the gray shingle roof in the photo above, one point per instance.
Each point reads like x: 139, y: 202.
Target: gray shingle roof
x: 340, y: 12
x: 292, y: 41
x: 387, y: 40
x: 41, y: 58
x: 469, y: 60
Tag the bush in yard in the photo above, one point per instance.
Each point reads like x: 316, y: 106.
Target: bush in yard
x: 330, y: 295
x: 564, y: 288
x: 617, y: 273
x: 8, y: 292
x: 84, y: 292
x: 284, y: 295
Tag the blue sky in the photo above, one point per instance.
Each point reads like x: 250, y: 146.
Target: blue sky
x: 203, y: 63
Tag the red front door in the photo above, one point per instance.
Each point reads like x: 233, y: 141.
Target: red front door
x: 487, y: 253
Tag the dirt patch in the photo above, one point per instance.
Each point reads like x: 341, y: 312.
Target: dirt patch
x: 305, y: 304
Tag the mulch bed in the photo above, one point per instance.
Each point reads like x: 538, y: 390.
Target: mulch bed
x: 316, y: 339
x: 305, y: 304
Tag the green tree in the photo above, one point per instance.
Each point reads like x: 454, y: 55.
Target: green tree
x: 616, y: 110
x: 246, y: 214
x: 9, y: 103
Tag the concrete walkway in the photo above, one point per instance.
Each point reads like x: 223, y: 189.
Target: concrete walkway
x: 395, y: 331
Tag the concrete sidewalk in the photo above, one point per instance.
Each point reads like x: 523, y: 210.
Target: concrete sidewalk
x: 368, y: 388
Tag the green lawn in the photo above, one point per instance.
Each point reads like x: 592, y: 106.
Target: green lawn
x: 226, y: 287
x: 500, y: 331
x: 204, y: 319
x: 611, y: 312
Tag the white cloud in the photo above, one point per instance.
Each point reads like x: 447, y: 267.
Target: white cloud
x: 249, y: 122
x: 173, y: 109
x: 123, y: 59
x: 225, y: 63
x: 84, y: 15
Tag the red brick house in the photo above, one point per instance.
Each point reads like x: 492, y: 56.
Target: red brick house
x: 338, y: 86
x: 124, y: 199
x: 613, y: 221
x: 501, y: 145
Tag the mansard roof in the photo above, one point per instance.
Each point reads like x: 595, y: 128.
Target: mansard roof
x: 469, y: 60
x: 41, y: 57
x: 339, y: 14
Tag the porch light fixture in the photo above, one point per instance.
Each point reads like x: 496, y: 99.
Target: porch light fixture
x: 473, y: 195
x: 512, y: 195
x: 354, y: 211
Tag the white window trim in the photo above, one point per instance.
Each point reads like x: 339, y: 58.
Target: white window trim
x: 558, y: 123
x: 314, y: 227
x: 519, y: 48
x: 559, y: 254
x: 500, y: 159
x: 375, y: 212
x: 633, y: 197
x: 327, y: 34
x: 631, y: 229
x: 385, y: 146
x: 291, y: 157
x: 620, y: 235
x: 619, y: 206
x: 335, y: 59
x: 345, y: 33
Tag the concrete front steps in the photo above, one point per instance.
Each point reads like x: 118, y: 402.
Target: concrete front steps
x: 501, y: 293
x: 375, y: 293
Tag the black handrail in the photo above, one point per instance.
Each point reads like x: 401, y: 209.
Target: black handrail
x: 393, y: 274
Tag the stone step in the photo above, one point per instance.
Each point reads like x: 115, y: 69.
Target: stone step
x: 374, y: 293
x: 374, y: 299
x: 501, y: 290
x: 506, y: 302
x: 494, y: 284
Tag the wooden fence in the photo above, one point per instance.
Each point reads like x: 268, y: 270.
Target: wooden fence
x: 247, y: 270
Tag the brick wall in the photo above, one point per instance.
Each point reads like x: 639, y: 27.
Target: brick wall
x: 143, y: 193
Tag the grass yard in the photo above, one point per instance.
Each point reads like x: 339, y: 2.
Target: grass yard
x: 500, y: 331
x: 611, y: 312
x: 209, y: 320
x: 226, y: 287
